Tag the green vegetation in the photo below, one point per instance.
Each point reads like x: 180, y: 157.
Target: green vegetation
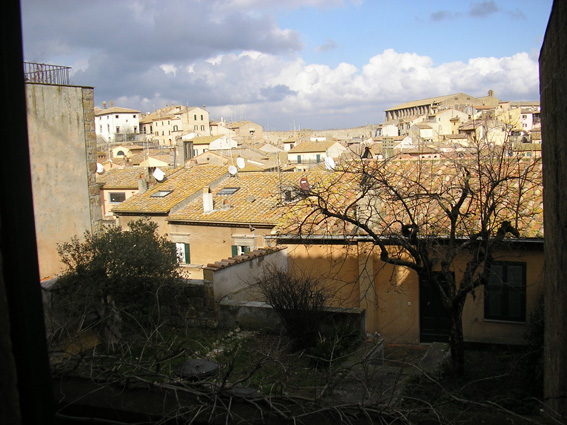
x: 112, y: 283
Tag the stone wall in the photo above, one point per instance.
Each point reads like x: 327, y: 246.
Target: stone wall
x: 91, y: 151
x: 62, y: 145
x: 553, y: 90
x: 190, y: 304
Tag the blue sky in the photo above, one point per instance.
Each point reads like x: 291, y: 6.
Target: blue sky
x: 298, y: 63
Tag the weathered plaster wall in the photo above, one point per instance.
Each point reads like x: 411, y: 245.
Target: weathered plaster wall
x: 63, y: 163
x: 237, y: 281
x: 553, y: 90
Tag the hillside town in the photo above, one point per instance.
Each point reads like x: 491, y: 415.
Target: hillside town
x: 172, y: 266
x: 236, y: 201
x: 417, y: 128
x: 224, y: 192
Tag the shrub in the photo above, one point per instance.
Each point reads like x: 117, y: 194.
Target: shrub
x: 112, y: 280
x: 299, y: 302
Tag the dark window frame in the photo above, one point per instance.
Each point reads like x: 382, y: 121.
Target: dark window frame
x: 505, y: 300
x: 113, y: 195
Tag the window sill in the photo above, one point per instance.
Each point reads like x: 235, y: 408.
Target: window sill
x: 509, y: 322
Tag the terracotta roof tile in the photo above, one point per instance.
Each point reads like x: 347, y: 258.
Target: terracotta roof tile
x: 181, y: 185
x: 381, y: 211
x: 259, y: 199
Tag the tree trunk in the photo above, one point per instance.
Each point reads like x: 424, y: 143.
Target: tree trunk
x: 456, y: 339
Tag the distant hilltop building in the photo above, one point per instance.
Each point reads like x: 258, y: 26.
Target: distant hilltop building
x: 458, y: 101
x: 446, y: 118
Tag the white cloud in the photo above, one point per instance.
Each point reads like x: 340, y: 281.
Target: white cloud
x: 169, y: 69
x: 257, y: 84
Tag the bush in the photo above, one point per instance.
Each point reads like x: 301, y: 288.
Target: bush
x: 112, y: 280
x: 334, y: 342
x: 299, y: 301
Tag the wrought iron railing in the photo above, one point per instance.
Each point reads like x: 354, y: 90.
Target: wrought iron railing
x: 46, y: 74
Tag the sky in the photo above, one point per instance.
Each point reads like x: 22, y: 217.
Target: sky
x: 290, y: 64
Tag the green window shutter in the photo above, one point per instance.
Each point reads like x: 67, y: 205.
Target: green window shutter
x: 187, y: 254
x: 234, y: 250
x: 245, y: 249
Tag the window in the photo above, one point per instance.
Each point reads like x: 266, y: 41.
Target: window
x: 318, y: 158
x: 117, y: 197
x: 183, y: 253
x: 240, y: 249
x: 135, y: 129
x: 299, y: 159
x: 228, y: 190
x: 117, y: 129
x: 161, y: 193
x: 196, y: 127
x: 505, y: 292
x: 116, y: 116
x: 134, y: 116
x: 201, y: 118
x: 175, y: 128
x: 195, y: 117
x: 202, y: 128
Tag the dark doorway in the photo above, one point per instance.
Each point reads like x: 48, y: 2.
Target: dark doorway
x: 433, y: 318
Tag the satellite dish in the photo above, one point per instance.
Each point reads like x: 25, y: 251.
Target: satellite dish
x: 304, y: 184
x: 99, y: 168
x: 159, y: 175
x: 329, y: 163
x: 240, y: 162
x: 232, y: 170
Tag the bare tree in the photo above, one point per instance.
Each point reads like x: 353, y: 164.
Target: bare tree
x: 427, y: 214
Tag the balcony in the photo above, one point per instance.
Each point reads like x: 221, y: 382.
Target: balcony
x: 46, y: 74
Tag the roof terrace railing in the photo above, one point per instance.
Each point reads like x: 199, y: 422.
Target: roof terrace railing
x: 46, y: 74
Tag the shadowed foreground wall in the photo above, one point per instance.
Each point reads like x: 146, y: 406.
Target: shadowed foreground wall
x: 553, y: 90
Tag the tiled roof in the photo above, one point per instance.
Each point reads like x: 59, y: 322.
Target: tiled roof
x: 307, y: 147
x: 155, y: 153
x: 116, y: 110
x: 257, y: 253
x: 204, y: 140
x: 259, y: 199
x: 383, y: 212
x: 120, y: 178
x: 126, y: 178
x: 182, y: 185
x: 424, y: 102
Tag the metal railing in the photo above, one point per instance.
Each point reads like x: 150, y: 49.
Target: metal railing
x: 46, y: 74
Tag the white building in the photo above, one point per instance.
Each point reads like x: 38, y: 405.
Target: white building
x: 115, y: 124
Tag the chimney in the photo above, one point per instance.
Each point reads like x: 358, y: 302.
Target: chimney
x: 204, y: 107
x: 207, y: 200
x: 142, y: 184
x: 111, y: 103
x: 104, y: 104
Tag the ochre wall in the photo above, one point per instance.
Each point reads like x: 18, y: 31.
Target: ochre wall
x: 390, y: 294
x: 335, y: 265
